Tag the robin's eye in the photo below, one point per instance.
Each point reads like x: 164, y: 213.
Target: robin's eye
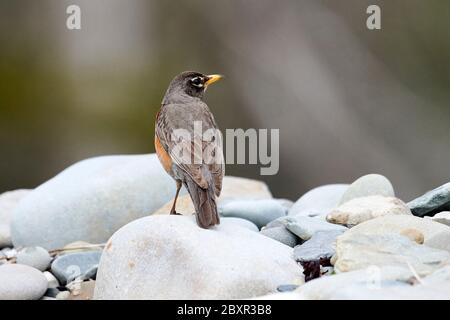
x: 197, y: 81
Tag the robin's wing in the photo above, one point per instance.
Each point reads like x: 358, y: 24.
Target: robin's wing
x: 196, y: 150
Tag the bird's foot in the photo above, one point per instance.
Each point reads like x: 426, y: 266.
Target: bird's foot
x: 175, y: 213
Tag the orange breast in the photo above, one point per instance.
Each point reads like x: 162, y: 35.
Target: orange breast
x: 163, y: 156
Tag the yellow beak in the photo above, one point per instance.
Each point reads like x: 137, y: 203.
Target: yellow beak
x: 213, y: 78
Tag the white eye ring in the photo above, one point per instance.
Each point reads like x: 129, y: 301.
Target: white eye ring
x: 200, y: 85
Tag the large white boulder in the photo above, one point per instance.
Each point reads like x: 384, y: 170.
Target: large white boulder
x: 91, y: 200
x: 170, y: 257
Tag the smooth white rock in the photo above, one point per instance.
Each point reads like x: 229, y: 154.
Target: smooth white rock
x: 90, y: 200
x: 36, y: 257
x: 170, y: 257
x: 318, y: 201
x: 362, y: 209
x: 306, y: 227
x: 21, y: 282
x: 368, y: 185
x: 8, y: 202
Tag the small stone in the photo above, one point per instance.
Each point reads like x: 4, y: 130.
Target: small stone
x: 432, y: 202
x: 51, y: 292
x: 281, y: 234
x: 21, y: 282
x: 85, y: 291
x: 442, y: 217
x: 305, y: 227
x: 260, y: 212
x: 68, y: 267
x: 51, y: 280
x: 368, y: 185
x: 321, y: 246
x: 35, y: 257
x: 318, y: 201
x: 414, y: 235
x: 9, y: 253
x: 63, y: 295
x: 240, y: 222
x: 362, y: 209
x: 287, y: 287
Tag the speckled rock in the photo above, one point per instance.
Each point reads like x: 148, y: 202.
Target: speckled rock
x: 362, y: 209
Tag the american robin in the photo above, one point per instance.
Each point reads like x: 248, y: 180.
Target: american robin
x: 183, y: 156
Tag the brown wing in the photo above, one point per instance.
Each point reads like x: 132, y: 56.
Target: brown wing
x: 175, y: 130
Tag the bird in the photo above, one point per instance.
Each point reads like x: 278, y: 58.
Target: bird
x: 182, y: 109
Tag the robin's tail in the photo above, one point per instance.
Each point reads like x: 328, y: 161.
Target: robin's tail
x: 204, y: 204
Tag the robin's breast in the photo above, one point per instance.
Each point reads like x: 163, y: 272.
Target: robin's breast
x: 163, y: 156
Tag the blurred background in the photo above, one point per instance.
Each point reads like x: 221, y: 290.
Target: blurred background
x: 348, y: 101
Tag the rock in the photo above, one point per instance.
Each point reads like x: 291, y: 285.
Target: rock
x: 286, y: 203
x: 91, y: 200
x: 397, y: 224
x: 362, y: 209
x: 260, y: 212
x: 8, y: 202
x: 233, y: 188
x: 241, y: 222
x: 76, y: 265
x: 287, y: 287
x: 63, y: 295
x: 280, y: 234
x: 320, y: 200
x: 52, y: 282
x: 170, y: 257
x: 374, y: 278
x: 84, y: 292
x: 440, y: 240
x: 442, y: 217
x: 368, y: 185
x: 306, y: 227
x: 35, y: 257
x: 320, y: 246
x: 413, y: 235
x: 433, y: 287
x: 21, y: 282
x: 315, y: 254
x: 359, y: 251
x: 51, y: 292
x: 432, y: 202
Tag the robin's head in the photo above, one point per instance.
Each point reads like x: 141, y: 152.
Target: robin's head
x: 189, y: 84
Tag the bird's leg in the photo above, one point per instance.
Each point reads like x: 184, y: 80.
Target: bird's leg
x: 173, y: 211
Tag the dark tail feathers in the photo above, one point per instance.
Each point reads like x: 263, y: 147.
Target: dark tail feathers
x: 204, y: 203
